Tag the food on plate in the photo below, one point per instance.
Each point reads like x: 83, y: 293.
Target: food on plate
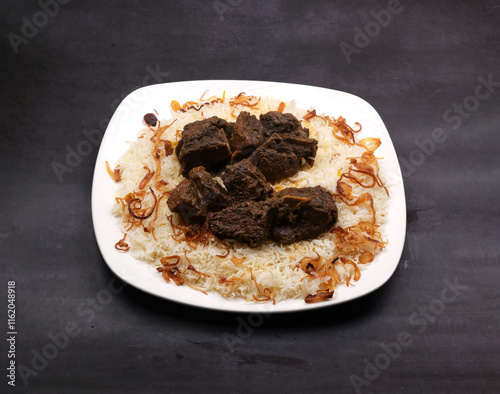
x: 252, y: 197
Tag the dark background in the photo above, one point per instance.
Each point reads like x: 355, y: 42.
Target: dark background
x: 73, y: 71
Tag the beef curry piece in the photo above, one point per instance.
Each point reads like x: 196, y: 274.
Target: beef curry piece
x: 203, y: 143
x: 246, y: 208
x: 303, y: 213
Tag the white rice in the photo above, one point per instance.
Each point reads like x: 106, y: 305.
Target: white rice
x: 273, y: 266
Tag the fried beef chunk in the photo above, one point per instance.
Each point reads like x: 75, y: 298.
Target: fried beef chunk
x: 248, y: 134
x: 247, y: 222
x: 245, y: 182
x: 282, y: 124
x: 185, y: 200
x: 229, y: 130
x: 303, y: 147
x: 213, y: 195
x: 303, y: 213
x: 247, y: 209
x: 281, y: 157
x: 203, y: 143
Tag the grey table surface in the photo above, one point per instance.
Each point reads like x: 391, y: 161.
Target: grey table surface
x: 430, y: 69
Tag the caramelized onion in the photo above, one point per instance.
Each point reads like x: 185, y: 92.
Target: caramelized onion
x: 169, y: 148
x: 344, y: 190
x: 122, y: 245
x: 146, y: 179
x: 199, y: 235
x: 156, y: 153
x: 193, y: 287
x: 237, y: 260
x: 354, y: 240
x: 346, y: 131
x: 365, y: 171
x: 370, y: 144
x: 362, y: 181
x: 357, y: 272
x: 309, y: 115
x: 366, y: 257
x: 191, y: 268
x: 310, y: 264
x: 364, y: 198
x: 213, y: 98
x: 229, y: 281
x: 266, y: 295
x: 228, y: 250
x: 115, y: 174
x: 188, y: 105
x: 321, y: 295
x: 192, y: 105
x: 136, y: 211
x: 175, y: 257
x: 243, y: 100
x: 369, y: 159
x: 163, y: 273
x: 333, y: 274
x: 173, y: 274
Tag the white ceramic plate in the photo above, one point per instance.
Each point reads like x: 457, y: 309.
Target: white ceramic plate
x: 125, y: 125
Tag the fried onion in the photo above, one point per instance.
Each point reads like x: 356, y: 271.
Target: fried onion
x: 122, y: 245
x: 175, y: 257
x: 321, y: 295
x: 115, y: 174
x: 146, y: 178
x: 135, y: 208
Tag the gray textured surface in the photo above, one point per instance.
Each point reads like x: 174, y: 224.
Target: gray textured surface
x: 69, y: 76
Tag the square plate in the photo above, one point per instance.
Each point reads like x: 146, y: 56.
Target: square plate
x: 125, y: 125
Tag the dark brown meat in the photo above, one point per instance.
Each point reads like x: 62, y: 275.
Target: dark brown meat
x: 303, y: 213
x: 245, y: 182
x: 247, y: 222
x: 213, y: 195
x: 185, y: 200
x: 281, y: 157
x: 303, y: 147
x: 282, y: 124
x: 248, y: 134
x: 229, y: 129
x: 203, y: 143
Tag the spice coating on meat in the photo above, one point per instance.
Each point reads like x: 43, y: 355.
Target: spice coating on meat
x: 248, y: 134
x: 185, y: 200
x: 229, y: 130
x: 282, y: 124
x: 214, y: 196
x: 303, y: 213
x: 281, y: 157
x: 245, y: 182
x: 303, y: 147
x: 203, y: 143
x: 247, y: 222
x: 246, y: 208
